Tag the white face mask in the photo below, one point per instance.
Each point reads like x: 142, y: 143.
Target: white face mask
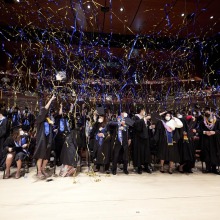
x: 100, y: 120
x: 125, y: 115
x: 179, y: 116
x: 167, y: 118
x: 21, y: 132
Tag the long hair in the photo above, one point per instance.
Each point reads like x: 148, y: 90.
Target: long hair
x: 104, y: 123
x: 16, y: 134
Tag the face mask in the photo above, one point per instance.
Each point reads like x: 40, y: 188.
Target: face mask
x: 21, y: 132
x: 100, y: 120
x: 211, y: 120
x: 179, y: 116
x: 194, y: 113
x: 167, y: 118
x: 207, y: 115
x: 143, y: 113
x: 125, y: 115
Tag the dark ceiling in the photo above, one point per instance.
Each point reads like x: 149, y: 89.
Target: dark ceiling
x: 164, y: 17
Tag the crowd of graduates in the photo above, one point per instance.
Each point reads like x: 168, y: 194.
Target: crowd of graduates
x: 108, y: 140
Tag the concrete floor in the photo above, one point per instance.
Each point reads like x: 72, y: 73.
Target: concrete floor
x: 147, y: 196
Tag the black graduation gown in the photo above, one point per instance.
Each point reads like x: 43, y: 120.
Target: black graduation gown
x: 20, y: 153
x: 69, y: 154
x: 102, y: 154
x: 43, y: 142
x: 119, y: 151
x: 210, y: 145
x: 153, y: 148
x: 30, y: 118
x: 186, y: 148
x: 141, y: 146
x: 166, y: 152
x: 61, y: 135
x: 3, y: 131
x: 92, y: 136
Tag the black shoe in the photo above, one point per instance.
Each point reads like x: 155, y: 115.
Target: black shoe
x: 170, y: 171
x: 126, y: 172
x: 114, y: 172
x: 190, y: 171
x: 107, y: 171
x: 162, y: 170
x: 139, y: 171
x: 58, y: 163
x: 217, y: 172
x: 148, y: 169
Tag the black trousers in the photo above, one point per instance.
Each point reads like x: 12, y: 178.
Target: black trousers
x: 120, y: 153
x: 210, y: 166
x: 59, y: 141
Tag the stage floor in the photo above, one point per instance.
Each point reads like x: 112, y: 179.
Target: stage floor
x: 147, y: 196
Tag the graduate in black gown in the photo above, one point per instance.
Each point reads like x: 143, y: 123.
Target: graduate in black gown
x: 15, y: 117
x: 210, y: 141
x: 63, y: 128
x: 121, y: 141
x: 91, y: 133
x: 3, y: 132
x: 167, y: 137
x: 44, y: 139
x: 27, y: 120
x: 151, y: 131
x: 69, y: 153
x: 186, y: 147
x: 141, y: 145
x: 102, y: 144
x: 14, y: 148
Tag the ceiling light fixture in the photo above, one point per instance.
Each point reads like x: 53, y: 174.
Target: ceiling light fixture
x: 121, y: 9
x: 211, y: 17
x: 88, y: 6
x: 182, y: 14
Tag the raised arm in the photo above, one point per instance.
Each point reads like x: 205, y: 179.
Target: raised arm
x: 178, y: 123
x: 61, y: 109
x: 71, y: 108
x: 47, y: 106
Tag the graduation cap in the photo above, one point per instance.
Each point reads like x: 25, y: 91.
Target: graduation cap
x: 129, y: 122
x: 100, y: 110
